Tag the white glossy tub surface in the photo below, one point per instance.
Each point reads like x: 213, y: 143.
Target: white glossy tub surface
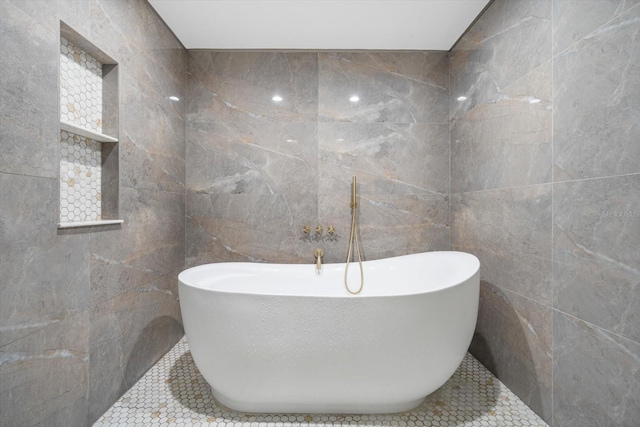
x: 283, y: 339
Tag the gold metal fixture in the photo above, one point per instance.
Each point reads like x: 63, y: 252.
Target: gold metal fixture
x: 318, y: 254
x: 306, y: 229
x: 331, y: 230
x: 354, y: 204
x: 319, y: 230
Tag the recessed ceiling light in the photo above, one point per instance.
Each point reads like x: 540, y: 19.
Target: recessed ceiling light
x: 276, y: 98
x: 461, y: 98
x: 354, y: 98
x: 174, y: 98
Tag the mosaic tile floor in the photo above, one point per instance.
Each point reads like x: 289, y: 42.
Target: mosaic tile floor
x: 173, y: 393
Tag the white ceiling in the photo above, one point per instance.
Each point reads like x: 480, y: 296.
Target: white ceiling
x: 319, y: 24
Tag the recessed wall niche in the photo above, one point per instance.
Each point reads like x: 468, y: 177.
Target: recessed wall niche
x: 89, y: 117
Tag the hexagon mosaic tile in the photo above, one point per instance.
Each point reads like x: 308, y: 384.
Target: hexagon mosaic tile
x: 173, y: 393
x: 80, y: 87
x: 80, y: 157
x: 80, y: 178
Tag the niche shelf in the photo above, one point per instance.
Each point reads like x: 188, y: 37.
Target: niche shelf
x: 89, y: 128
x: 87, y: 133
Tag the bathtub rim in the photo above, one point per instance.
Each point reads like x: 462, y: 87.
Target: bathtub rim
x: 191, y: 270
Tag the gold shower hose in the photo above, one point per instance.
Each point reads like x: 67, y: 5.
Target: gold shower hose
x: 354, y: 204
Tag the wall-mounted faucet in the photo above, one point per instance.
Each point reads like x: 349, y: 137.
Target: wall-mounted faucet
x: 318, y: 254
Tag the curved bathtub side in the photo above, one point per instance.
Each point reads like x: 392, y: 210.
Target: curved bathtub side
x: 270, y: 353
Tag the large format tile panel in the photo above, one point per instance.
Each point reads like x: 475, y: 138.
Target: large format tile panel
x: 135, y: 315
x: 253, y: 158
x: 388, y: 224
x: 596, y: 233
x: 575, y: 19
x: 509, y: 40
x: 128, y: 331
x: 596, y: 130
x: 28, y: 95
x: 239, y: 86
x: 44, y: 301
x: 505, y: 142
x: 509, y: 230
x: 388, y: 158
x: 152, y: 156
x: 513, y: 339
x: 251, y: 228
x: 385, y: 94
x: 595, y: 376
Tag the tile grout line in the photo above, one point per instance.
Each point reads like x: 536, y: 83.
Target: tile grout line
x: 553, y: 358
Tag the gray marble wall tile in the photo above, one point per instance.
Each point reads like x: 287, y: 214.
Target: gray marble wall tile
x: 596, y: 130
x: 147, y: 247
x: 28, y: 100
x: 47, y: 335
x: 411, y: 158
x: 575, y: 19
x: 427, y: 67
x: 152, y: 156
x: 498, y: 142
x: 44, y: 374
x: 511, y: 39
x: 388, y: 224
x: 509, y: 230
x: 127, y: 332
x: 595, y: 375
x: 384, y: 94
x: 49, y: 13
x: 253, y: 158
x: 249, y: 227
x: 253, y: 186
x: 239, y: 86
x: 596, y: 237
x: 513, y: 338
x: 506, y: 142
x: 501, y: 16
x: 44, y: 301
x: 150, y: 58
x: 44, y: 275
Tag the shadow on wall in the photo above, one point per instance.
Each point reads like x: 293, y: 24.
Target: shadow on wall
x: 154, y: 341
x: 503, y: 343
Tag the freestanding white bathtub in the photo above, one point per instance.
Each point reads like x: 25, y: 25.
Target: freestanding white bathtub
x: 285, y: 339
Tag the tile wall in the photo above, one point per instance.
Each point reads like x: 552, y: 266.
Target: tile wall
x: 84, y: 313
x: 546, y: 192
x: 259, y: 170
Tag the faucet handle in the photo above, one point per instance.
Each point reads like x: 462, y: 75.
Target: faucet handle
x: 319, y: 230
x: 306, y: 229
x: 331, y: 230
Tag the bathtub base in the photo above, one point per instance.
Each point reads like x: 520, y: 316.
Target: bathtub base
x: 314, y: 408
